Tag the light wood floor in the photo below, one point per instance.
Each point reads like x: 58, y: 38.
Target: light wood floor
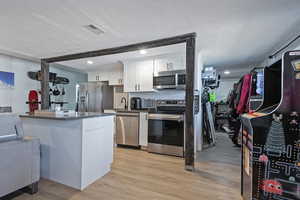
x: 138, y: 175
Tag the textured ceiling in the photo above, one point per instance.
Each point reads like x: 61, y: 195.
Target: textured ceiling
x: 230, y: 32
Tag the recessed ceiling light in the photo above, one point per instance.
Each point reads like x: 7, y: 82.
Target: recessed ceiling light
x: 90, y: 62
x: 143, y: 51
x: 226, y: 72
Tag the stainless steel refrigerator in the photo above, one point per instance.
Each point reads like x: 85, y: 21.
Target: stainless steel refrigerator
x: 94, y: 97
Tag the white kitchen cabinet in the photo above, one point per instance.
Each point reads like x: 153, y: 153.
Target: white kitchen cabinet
x: 78, y: 152
x: 113, y: 74
x: 169, y: 63
x: 93, y: 76
x: 145, y: 75
x: 138, y: 76
x: 143, y: 130
x: 98, y: 76
x: 116, y: 78
x: 130, y: 80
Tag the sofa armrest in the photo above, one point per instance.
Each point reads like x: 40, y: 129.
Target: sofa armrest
x: 20, y: 164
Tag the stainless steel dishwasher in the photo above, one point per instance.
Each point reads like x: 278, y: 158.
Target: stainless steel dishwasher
x: 127, y: 128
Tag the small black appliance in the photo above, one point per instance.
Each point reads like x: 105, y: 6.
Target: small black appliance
x: 136, y: 103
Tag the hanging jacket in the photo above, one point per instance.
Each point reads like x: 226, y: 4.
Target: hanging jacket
x: 242, y: 105
x: 231, y: 96
x: 238, y: 92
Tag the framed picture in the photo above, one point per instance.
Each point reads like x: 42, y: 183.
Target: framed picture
x: 7, y: 79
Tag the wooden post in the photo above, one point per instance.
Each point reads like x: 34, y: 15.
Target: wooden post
x: 44, y: 85
x: 189, y: 39
x: 189, y: 96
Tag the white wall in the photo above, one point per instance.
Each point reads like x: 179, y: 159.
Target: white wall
x: 70, y: 89
x: 17, y: 96
x: 198, y: 117
x: 225, y: 86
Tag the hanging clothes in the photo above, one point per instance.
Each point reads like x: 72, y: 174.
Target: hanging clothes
x: 243, y: 101
x: 231, y: 96
x: 238, y: 92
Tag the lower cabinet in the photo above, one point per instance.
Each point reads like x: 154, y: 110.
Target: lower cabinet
x: 97, y: 148
x: 143, y: 129
x: 75, y: 153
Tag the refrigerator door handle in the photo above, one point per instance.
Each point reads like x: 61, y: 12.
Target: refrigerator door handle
x: 87, y: 102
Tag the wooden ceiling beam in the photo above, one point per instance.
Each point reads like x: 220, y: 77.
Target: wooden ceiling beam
x: 123, y: 49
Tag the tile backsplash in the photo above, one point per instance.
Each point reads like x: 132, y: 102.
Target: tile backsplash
x: 161, y: 94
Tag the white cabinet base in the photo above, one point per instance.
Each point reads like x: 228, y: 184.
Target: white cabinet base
x: 75, y: 153
x: 143, y: 130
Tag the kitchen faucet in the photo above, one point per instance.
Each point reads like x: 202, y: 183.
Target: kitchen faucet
x: 124, y: 100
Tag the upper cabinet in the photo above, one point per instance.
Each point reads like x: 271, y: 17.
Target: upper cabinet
x: 112, y: 73
x: 130, y: 77
x: 94, y: 76
x: 169, y: 63
x: 138, y: 76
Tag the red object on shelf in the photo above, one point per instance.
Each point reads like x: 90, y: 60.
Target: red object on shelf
x: 33, y: 100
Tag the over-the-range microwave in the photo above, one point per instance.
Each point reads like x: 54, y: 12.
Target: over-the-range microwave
x: 169, y: 80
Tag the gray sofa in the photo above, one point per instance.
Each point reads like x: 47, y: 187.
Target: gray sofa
x: 19, y: 157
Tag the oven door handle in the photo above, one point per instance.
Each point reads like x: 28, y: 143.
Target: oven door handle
x: 127, y: 114
x: 169, y: 118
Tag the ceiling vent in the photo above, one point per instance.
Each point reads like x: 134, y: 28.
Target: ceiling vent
x: 94, y: 29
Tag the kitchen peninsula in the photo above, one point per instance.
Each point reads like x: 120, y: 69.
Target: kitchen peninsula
x: 76, y: 149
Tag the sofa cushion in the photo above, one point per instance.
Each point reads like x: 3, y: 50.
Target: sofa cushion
x: 19, y: 165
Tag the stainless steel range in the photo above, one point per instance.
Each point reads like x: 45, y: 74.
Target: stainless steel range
x: 166, y: 128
